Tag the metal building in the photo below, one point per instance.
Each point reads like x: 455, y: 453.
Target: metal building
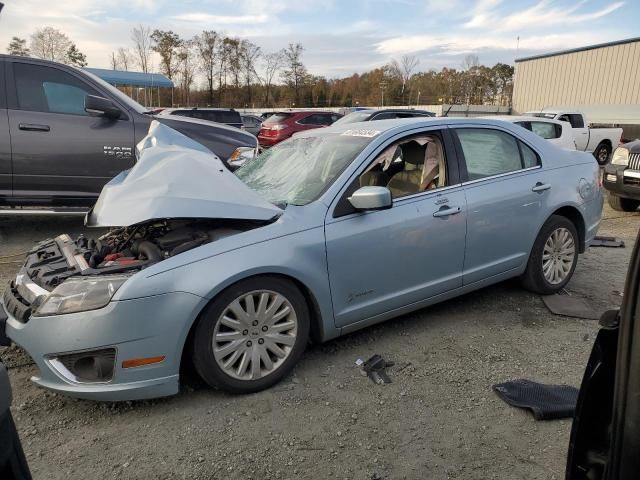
x: 598, y: 78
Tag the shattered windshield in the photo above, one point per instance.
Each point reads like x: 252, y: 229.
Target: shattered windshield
x: 298, y: 170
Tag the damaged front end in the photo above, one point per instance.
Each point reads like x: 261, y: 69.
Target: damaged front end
x: 177, y: 197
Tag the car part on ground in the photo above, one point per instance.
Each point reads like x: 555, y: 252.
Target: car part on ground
x: 175, y: 292
x: 546, y: 402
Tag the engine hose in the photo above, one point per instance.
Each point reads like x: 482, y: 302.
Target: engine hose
x: 150, y: 251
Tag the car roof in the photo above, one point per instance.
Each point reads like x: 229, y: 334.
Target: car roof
x: 207, y: 109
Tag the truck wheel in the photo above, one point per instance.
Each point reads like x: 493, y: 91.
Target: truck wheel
x: 602, y: 153
x: 623, y: 204
x: 553, y: 257
x: 251, y: 335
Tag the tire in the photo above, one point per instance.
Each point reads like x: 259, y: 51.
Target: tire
x: 227, y: 359
x: 622, y: 204
x: 602, y: 153
x: 534, y: 278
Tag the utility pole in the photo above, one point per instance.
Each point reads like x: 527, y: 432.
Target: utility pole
x: 383, y: 85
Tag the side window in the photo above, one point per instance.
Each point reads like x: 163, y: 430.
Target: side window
x: 47, y: 89
x: 546, y: 130
x: 488, y: 152
x: 526, y: 125
x: 308, y: 120
x: 412, y: 165
x: 576, y: 121
x: 529, y: 157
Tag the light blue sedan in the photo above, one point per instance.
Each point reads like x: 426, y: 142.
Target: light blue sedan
x: 331, y: 231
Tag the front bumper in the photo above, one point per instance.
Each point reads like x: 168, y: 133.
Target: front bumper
x: 622, y: 181
x: 137, y: 328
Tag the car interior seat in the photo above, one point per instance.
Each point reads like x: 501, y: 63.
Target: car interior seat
x: 408, y: 181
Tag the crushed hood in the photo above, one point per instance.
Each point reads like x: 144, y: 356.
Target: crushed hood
x: 176, y: 177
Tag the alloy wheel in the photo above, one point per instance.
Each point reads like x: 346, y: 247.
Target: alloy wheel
x: 255, y: 335
x: 558, y: 256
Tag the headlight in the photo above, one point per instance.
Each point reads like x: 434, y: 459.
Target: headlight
x: 80, y: 295
x: 620, y: 157
x: 241, y: 155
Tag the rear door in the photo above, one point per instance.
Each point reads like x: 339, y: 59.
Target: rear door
x: 59, y: 151
x: 506, y: 191
x: 5, y: 140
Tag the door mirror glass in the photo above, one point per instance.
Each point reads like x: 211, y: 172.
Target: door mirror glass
x: 371, y: 198
x: 101, y: 106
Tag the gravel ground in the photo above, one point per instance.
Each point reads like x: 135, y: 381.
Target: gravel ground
x: 439, y: 418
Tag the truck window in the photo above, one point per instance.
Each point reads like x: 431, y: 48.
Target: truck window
x: 576, y: 121
x: 49, y: 90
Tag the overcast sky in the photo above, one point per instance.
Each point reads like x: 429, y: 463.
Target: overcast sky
x: 340, y: 37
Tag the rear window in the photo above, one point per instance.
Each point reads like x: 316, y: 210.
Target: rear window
x: 277, y: 118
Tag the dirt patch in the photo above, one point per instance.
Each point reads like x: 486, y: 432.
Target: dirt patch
x: 439, y: 418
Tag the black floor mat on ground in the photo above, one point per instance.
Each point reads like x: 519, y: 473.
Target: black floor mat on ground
x: 546, y: 402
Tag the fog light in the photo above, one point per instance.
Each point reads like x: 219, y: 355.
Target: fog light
x: 95, y: 366
x: 611, y: 178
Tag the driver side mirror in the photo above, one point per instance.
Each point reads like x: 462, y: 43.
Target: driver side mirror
x: 371, y: 198
x: 101, y: 106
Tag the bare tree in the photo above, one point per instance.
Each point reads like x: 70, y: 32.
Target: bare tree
x: 271, y: 64
x: 18, y: 46
x: 295, y: 73
x: 187, y: 67
x: 207, y: 46
x: 113, y: 61
x: 141, y: 37
x: 125, y: 59
x: 250, y: 54
x: 50, y: 44
x: 404, y: 69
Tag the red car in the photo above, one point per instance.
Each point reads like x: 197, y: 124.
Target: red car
x: 281, y: 125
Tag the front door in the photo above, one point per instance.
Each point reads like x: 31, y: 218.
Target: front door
x: 379, y: 261
x: 59, y: 151
x: 5, y: 141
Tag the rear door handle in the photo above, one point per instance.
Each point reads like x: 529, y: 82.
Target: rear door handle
x: 34, y: 127
x: 540, y: 187
x: 446, y: 211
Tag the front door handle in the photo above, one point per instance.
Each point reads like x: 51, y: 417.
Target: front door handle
x: 34, y: 127
x: 540, y: 187
x: 446, y: 211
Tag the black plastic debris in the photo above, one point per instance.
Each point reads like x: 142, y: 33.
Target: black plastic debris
x: 611, y: 242
x: 375, y: 368
x: 546, y: 402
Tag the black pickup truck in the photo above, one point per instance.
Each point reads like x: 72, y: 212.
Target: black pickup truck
x: 64, y: 133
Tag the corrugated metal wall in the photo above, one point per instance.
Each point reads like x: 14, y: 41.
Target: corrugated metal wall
x: 604, y: 75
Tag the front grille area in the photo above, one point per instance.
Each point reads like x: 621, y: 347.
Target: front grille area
x: 634, y: 161
x: 16, y: 306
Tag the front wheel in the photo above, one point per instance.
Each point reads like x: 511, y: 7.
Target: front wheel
x: 622, y: 204
x: 251, y: 335
x: 602, y: 153
x: 553, y: 257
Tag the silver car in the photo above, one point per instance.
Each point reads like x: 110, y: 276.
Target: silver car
x: 331, y: 231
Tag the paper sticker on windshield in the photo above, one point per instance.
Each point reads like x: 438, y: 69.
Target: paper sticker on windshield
x: 361, y: 133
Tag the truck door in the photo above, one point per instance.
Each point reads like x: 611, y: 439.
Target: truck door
x: 5, y: 141
x: 580, y: 131
x: 60, y: 152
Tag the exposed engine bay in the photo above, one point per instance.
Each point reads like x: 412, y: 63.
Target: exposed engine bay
x: 124, y: 249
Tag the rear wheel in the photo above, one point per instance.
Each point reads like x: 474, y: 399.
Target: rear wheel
x: 602, y: 153
x: 553, y: 257
x: 251, y: 335
x: 623, y: 204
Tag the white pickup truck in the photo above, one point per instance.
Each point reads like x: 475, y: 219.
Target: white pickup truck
x: 597, y: 140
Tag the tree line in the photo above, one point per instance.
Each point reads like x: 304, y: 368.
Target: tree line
x: 215, y: 69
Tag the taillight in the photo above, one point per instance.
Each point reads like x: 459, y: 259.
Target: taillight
x: 278, y: 126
